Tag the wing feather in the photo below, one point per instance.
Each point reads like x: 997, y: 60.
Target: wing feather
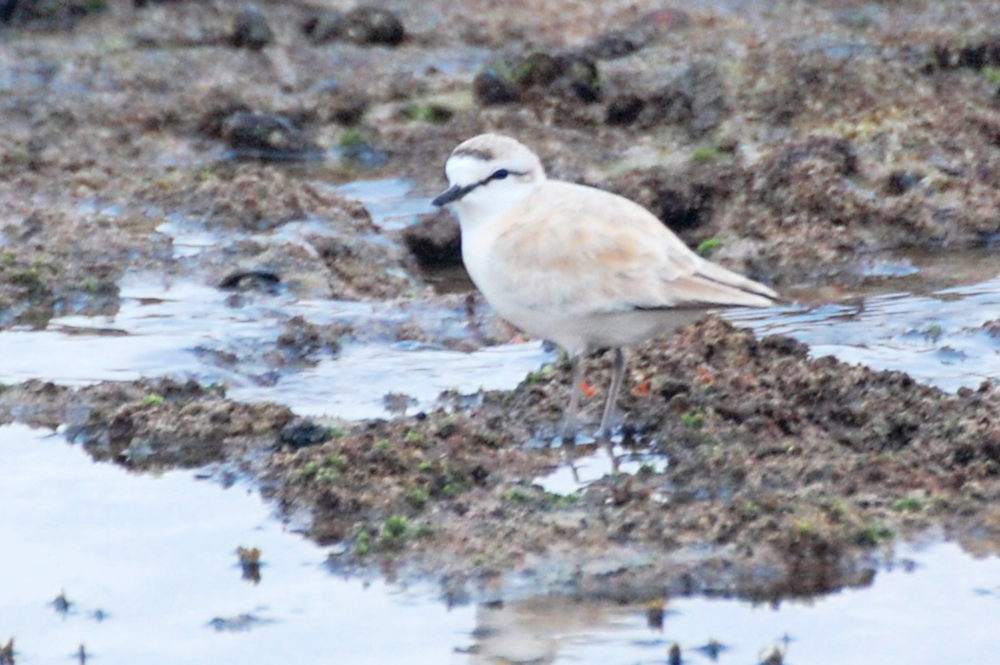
x: 584, y: 250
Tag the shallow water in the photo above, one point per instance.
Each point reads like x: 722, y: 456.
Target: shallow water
x: 389, y: 202
x: 181, y: 328
x: 933, y: 605
x: 178, y: 329
x: 155, y: 556
x: 575, y: 474
x: 935, y: 338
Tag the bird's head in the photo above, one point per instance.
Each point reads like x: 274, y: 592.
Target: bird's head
x: 487, y: 175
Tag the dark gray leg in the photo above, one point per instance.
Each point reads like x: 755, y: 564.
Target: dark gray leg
x: 569, y: 422
x: 617, y: 374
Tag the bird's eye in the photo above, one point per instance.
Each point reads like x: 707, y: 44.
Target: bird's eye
x: 501, y: 174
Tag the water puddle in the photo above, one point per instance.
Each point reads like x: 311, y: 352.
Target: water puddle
x: 182, y: 329
x: 575, y: 474
x: 388, y: 201
x: 135, y: 568
x: 191, y: 238
x: 936, y: 338
x: 361, y: 382
x: 147, y: 572
x: 187, y: 330
x: 932, y: 605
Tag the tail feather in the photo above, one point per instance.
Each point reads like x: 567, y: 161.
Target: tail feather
x: 727, y: 278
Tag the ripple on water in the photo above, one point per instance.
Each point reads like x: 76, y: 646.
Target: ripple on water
x: 166, y: 329
x: 177, y: 329
x: 937, y: 338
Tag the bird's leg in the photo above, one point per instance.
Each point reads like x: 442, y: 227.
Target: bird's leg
x: 568, y: 430
x: 617, y: 374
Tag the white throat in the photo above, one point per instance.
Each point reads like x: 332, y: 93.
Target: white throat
x: 494, y: 198
x: 477, y: 211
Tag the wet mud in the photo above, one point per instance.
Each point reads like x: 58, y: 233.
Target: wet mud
x: 784, y: 154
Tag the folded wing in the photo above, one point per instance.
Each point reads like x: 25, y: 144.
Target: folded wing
x: 584, y: 250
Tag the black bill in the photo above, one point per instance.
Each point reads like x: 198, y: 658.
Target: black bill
x: 450, y: 195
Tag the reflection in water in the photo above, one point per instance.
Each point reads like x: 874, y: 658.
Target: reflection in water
x: 142, y: 569
x: 933, y: 605
x: 579, y: 470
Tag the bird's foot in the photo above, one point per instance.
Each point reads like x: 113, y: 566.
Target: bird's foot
x: 576, y: 439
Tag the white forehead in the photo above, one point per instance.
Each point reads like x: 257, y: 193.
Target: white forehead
x: 467, y: 169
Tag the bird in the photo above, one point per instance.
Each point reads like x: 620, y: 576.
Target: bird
x: 580, y: 266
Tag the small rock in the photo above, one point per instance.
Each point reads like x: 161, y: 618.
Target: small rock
x: 973, y: 56
x: 696, y: 100
x: 300, y: 339
x: 348, y: 112
x: 249, y: 563
x: 52, y: 14
x: 235, y: 624
x: 302, y: 433
x: 579, y: 73
x: 491, y: 88
x: 899, y: 182
x: 251, y: 280
x: 624, y: 110
x: 323, y: 26
x: 614, y: 44
x: 62, y: 603
x: 785, y: 346
x: 566, y: 75
x: 373, y: 25
x: 398, y: 403
x: 435, y: 241
x: 251, y: 30
x: 364, y: 25
x: 265, y: 136
x: 538, y: 69
x: 222, y: 107
x: 7, y: 8
x: 432, y: 113
x: 655, y: 614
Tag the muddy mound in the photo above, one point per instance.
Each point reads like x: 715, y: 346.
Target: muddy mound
x: 149, y: 424
x: 791, y: 468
